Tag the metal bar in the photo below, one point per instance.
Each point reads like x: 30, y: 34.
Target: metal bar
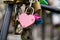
x: 58, y: 36
x: 56, y: 10
x: 6, y: 22
x: 43, y: 25
x: 52, y: 29
x: 52, y: 33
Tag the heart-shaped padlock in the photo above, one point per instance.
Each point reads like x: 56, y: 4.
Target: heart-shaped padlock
x: 26, y: 20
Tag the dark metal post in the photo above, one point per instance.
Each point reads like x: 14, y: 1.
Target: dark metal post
x: 52, y: 30
x: 43, y: 25
x: 52, y: 9
x: 6, y: 22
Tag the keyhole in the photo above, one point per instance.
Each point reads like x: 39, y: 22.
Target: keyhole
x: 28, y: 37
x: 32, y: 19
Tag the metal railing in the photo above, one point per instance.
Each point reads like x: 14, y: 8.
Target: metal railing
x: 8, y: 15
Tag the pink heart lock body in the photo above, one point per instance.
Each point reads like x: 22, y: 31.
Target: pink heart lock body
x: 26, y: 20
x: 37, y: 18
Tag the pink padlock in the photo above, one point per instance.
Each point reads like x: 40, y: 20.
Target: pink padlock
x: 37, y: 18
x: 26, y: 20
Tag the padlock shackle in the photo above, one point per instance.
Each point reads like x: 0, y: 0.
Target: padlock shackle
x: 31, y: 8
